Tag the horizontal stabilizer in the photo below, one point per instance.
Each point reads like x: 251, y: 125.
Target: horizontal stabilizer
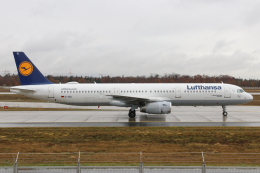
x: 13, y: 89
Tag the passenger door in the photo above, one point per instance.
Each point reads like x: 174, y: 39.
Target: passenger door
x: 227, y: 93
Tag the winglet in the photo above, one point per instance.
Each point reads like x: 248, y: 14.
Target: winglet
x: 28, y: 72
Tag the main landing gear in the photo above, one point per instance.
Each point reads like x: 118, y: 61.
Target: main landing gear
x: 224, y: 110
x: 131, y: 113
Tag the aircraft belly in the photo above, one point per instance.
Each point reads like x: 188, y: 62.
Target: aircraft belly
x: 207, y: 102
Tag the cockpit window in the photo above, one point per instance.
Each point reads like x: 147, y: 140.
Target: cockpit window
x: 240, y: 90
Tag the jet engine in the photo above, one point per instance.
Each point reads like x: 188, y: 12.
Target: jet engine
x: 157, y: 108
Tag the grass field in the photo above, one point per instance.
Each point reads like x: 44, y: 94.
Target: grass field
x: 132, y: 139
x: 16, y: 98
x: 252, y: 90
x: 4, y: 90
x: 52, y: 109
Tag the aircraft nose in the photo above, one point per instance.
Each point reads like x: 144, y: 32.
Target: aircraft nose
x: 249, y: 97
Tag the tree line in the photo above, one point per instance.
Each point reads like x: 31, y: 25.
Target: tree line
x: 13, y: 80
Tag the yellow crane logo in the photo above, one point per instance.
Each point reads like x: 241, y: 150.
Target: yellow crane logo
x: 25, y: 68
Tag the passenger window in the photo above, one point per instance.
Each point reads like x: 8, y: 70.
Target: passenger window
x: 67, y: 91
x: 70, y: 91
x: 76, y: 91
x: 61, y: 91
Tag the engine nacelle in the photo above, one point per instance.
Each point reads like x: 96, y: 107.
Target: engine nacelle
x: 157, y: 108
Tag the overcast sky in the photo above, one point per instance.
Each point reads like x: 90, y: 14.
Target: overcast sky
x: 133, y: 37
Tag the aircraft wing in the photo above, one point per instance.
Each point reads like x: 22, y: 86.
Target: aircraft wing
x: 137, y: 100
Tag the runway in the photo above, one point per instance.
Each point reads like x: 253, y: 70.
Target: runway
x: 117, y: 117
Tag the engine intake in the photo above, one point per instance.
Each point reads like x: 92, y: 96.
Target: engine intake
x: 157, y: 108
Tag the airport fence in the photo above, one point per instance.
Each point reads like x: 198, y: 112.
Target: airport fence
x: 129, y: 162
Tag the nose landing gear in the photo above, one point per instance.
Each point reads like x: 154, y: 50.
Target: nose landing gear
x: 224, y: 110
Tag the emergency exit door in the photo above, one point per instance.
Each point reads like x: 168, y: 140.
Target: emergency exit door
x: 178, y: 93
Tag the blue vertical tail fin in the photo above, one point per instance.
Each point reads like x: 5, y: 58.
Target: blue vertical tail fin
x: 28, y: 72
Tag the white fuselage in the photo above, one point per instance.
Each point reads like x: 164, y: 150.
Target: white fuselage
x: 185, y: 94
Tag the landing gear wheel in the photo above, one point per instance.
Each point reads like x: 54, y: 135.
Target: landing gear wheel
x: 131, y: 114
x: 224, y: 110
x: 225, y: 114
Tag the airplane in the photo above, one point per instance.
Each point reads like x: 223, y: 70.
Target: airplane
x: 152, y: 98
